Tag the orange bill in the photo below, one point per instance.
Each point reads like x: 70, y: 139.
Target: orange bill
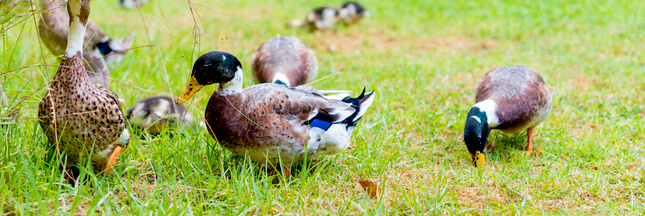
x: 193, y: 86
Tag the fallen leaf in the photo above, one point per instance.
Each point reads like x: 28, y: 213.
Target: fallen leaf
x: 370, y: 187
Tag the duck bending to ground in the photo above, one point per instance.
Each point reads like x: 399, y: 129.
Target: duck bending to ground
x: 511, y: 99
x: 284, y: 60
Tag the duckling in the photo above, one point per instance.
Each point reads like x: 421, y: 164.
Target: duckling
x: 132, y: 3
x: 284, y: 60
x: 80, y: 118
x: 53, y: 30
x: 352, y: 12
x: 272, y: 122
x: 5, y: 113
x: 158, y: 113
x: 322, y: 18
x: 511, y: 99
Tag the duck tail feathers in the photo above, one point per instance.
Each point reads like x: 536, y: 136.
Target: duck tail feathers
x: 360, y: 103
x: 364, y: 101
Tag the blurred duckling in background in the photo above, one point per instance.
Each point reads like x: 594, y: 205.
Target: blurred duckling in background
x: 5, y: 113
x: 284, y: 60
x: 322, y: 18
x: 157, y: 114
x: 511, y: 99
x: 352, y: 12
x: 53, y: 28
x: 129, y: 4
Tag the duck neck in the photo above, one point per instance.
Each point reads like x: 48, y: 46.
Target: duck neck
x: 489, y: 108
x: 76, y: 30
x: 234, y: 85
x: 476, y: 130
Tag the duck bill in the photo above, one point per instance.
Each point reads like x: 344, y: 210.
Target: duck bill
x: 480, y: 159
x: 193, y: 86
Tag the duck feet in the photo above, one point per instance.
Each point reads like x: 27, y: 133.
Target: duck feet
x: 285, y: 170
x: 112, y: 159
x: 529, y: 138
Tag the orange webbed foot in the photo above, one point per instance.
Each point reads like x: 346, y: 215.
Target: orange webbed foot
x: 112, y: 159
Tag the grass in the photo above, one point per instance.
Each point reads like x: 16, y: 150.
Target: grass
x: 424, y: 60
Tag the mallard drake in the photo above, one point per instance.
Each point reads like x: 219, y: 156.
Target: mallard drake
x: 284, y: 60
x: 271, y: 122
x: 79, y: 117
x: 511, y: 99
x: 158, y: 113
x: 53, y: 30
x: 352, y: 12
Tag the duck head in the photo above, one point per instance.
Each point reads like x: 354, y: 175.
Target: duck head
x: 476, y: 135
x: 214, y: 67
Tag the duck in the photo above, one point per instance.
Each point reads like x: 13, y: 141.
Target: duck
x: 7, y: 116
x: 101, y: 51
x: 511, y: 99
x: 322, y: 18
x: 158, y: 113
x: 284, y: 60
x: 351, y: 12
x: 80, y: 118
x: 129, y: 4
x: 271, y: 122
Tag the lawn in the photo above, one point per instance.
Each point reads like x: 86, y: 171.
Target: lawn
x: 423, y: 59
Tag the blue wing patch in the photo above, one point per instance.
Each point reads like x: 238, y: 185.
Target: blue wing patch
x: 320, y: 124
x: 104, y: 48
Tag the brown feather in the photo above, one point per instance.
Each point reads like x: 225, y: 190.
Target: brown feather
x: 287, y: 55
x: 519, y: 93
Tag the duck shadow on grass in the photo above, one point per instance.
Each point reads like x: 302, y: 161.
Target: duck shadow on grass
x: 507, y: 146
x: 230, y: 166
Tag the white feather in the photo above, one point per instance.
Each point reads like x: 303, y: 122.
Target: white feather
x: 363, y: 107
x: 490, y: 108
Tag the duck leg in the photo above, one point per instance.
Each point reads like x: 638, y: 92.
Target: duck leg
x: 529, y: 137
x: 69, y: 175
x: 489, y: 144
x: 112, y: 159
x: 272, y: 171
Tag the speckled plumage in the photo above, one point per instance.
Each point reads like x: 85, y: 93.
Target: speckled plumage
x: 269, y: 120
x: 158, y: 113
x: 88, y: 118
x: 53, y: 30
x: 286, y: 57
x: 522, y: 98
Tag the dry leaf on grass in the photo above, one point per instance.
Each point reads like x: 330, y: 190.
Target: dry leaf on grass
x: 370, y: 187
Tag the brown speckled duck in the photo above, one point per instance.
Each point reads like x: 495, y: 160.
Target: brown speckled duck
x: 284, y: 60
x: 511, y: 99
x: 88, y: 117
x: 53, y: 30
x: 271, y: 122
x: 158, y: 113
